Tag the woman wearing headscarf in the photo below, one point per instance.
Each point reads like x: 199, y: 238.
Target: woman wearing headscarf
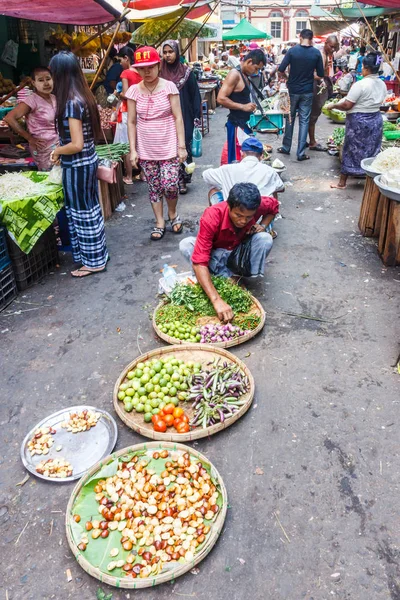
x: 173, y: 70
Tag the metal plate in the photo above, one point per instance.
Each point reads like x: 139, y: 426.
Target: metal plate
x: 366, y: 166
x: 389, y: 192
x: 392, y: 115
x: 82, y: 450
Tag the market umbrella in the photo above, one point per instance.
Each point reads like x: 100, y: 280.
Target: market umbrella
x: 151, y: 31
x: 142, y: 10
x: 245, y: 31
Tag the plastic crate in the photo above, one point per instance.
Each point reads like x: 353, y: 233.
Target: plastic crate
x: 272, y: 122
x: 4, y: 257
x: 8, y: 288
x: 31, y: 268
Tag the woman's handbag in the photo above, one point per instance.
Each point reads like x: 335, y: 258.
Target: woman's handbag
x: 197, y: 143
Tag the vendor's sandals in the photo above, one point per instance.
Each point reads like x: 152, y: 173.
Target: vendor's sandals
x: 336, y: 186
x: 183, y: 189
x: 282, y: 151
x: 127, y: 181
x: 174, y: 222
x: 305, y: 157
x: 85, y: 272
x: 318, y: 148
x: 157, y: 233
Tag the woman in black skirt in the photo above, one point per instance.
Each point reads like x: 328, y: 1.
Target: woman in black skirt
x: 78, y: 123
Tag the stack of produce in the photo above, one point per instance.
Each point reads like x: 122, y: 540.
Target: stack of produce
x: 163, y: 389
x: 145, y: 512
x: 114, y: 152
x: 185, y: 312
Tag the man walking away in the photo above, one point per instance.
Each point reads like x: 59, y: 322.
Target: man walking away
x: 303, y: 60
x: 235, y: 94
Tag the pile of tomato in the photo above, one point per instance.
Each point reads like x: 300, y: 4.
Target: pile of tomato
x: 171, y: 416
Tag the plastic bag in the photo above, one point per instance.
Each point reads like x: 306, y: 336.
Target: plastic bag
x: 197, y: 143
x: 55, y: 175
x: 239, y: 259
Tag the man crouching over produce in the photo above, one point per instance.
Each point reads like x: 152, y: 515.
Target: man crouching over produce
x: 231, y: 241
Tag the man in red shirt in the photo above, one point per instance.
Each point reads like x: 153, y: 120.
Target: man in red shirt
x: 223, y: 227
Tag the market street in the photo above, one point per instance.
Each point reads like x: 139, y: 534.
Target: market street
x: 312, y: 470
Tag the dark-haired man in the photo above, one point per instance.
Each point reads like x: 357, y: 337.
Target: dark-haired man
x: 235, y: 94
x: 304, y: 60
x: 223, y: 227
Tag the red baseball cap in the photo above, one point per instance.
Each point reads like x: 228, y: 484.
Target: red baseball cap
x: 146, y: 57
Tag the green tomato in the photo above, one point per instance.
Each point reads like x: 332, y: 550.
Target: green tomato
x: 149, y: 387
x: 139, y: 407
x: 163, y: 382
x: 163, y: 371
x: 175, y: 376
x: 135, y: 401
x: 155, y: 411
x: 161, y: 405
x: 170, y: 370
x: 167, y: 377
x: 147, y: 417
x: 167, y: 399
x: 146, y: 369
x: 147, y: 407
x: 156, y: 379
x: 152, y: 395
x: 128, y: 407
x: 131, y: 375
x: 198, y: 337
x: 136, y: 384
x: 152, y: 372
x: 183, y: 386
x: 157, y: 389
x: 169, y: 386
x: 124, y: 386
x: 160, y: 395
x: 174, y: 401
x: 121, y: 395
x: 154, y: 402
x: 173, y: 391
x: 157, y: 366
x: 140, y: 366
x: 130, y: 392
x: 138, y: 373
x: 198, y: 366
x: 145, y: 378
x: 164, y: 390
x: 182, y: 396
x: 141, y: 391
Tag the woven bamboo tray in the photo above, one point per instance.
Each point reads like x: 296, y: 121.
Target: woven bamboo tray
x: 203, y: 353
x: 256, y: 309
x: 163, y: 577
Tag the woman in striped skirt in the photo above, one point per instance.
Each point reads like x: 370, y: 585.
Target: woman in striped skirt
x: 78, y: 124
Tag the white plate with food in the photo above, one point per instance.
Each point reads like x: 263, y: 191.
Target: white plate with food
x: 63, y: 446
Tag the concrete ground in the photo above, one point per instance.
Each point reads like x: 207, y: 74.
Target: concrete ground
x: 312, y: 470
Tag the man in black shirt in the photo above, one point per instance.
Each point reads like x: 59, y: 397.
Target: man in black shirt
x: 304, y: 60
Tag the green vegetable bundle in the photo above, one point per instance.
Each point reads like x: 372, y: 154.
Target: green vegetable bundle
x: 388, y: 126
x: 112, y: 151
x: 338, y: 135
x: 196, y: 300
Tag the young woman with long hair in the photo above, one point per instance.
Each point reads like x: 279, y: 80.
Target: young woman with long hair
x: 78, y: 124
x: 157, y: 137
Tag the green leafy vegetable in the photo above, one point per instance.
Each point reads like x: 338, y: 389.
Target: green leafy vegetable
x: 196, y: 300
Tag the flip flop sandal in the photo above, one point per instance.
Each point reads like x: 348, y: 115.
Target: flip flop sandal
x: 159, y: 232
x: 282, y: 151
x: 318, y: 148
x: 183, y: 189
x: 305, y: 157
x: 87, y: 272
x: 176, y: 221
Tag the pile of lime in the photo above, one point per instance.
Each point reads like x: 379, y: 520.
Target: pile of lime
x: 181, y: 331
x: 155, y: 383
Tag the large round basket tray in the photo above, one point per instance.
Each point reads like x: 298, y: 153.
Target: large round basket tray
x: 256, y: 309
x: 202, y: 353
x: 117, y: 577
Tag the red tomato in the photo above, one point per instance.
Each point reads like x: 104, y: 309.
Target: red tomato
x: 169, y: 409
x: 185, y: 418
x: 155, y: 418
x: 169, y: 420
x: 183, y: 427
x: 160, y: 425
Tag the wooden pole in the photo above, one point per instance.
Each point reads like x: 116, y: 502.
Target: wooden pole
x: 103, y: 62
x: 15, y: 90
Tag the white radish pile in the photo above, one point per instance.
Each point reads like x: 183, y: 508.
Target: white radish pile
x: 15, y: 185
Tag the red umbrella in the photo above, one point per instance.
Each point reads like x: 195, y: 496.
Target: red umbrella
x: 201, y: 7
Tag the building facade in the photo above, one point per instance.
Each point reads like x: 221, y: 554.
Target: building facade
x: 282, y: 19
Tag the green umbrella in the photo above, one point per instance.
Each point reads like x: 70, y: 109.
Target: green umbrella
x: 151, y: 31
x: 245, y: 31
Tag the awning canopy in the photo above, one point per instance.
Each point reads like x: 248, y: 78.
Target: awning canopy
x: 67, y: 12
x: 245, y: 31
x: 385, y: 3
x: 144, y: 10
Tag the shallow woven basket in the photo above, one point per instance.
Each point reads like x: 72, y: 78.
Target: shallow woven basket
x: 244, y: 338
x: 170, y: 575
x: 203, y: 353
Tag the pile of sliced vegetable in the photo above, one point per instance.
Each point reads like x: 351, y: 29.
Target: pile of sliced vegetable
x: 145, y: 511
x: 15, y: 185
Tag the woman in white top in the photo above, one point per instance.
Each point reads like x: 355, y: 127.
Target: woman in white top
x: 364, y: 122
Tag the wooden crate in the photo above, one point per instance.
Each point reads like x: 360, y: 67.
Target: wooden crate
x: 389, y: 236
x: 371, y: 209
x: 104, y: 199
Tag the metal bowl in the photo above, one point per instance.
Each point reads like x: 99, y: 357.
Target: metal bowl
x: 389, y: 192
x: 366, y: 164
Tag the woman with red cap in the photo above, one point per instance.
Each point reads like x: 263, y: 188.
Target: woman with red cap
x: 157, y: 137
